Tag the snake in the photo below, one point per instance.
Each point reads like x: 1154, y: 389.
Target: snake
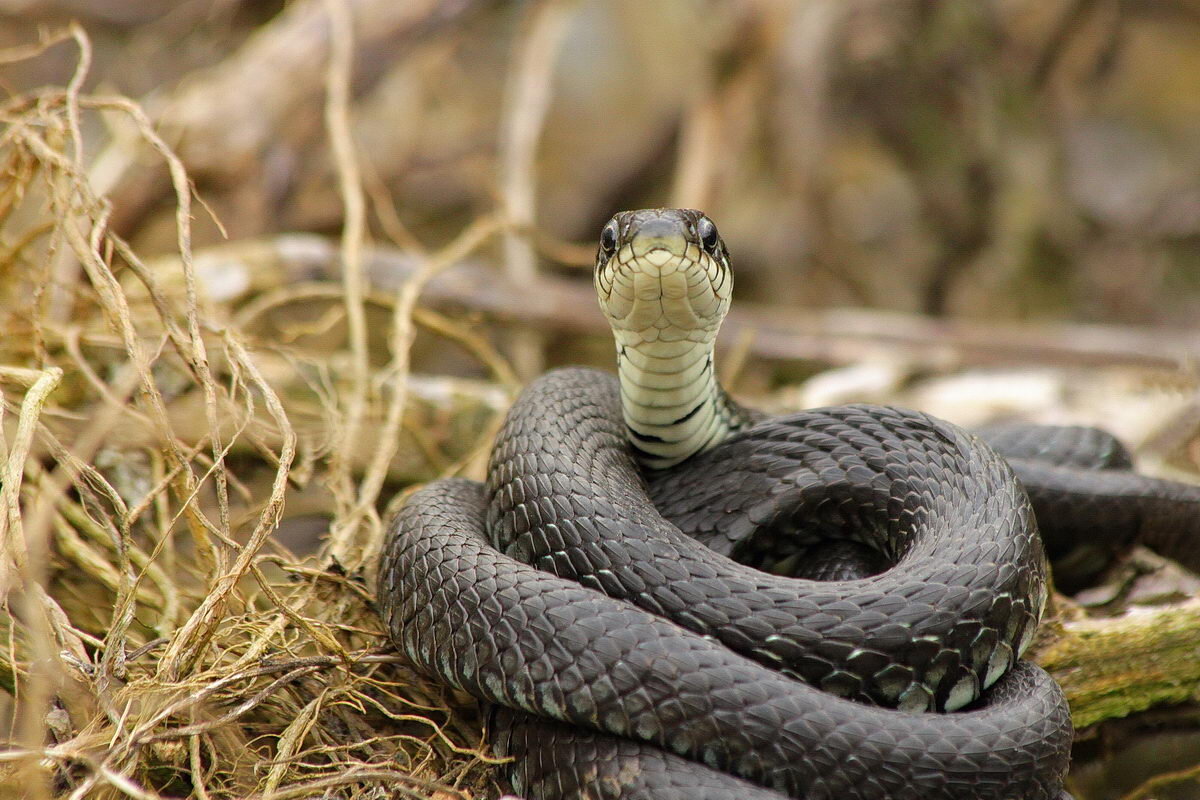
x: 662, y: 593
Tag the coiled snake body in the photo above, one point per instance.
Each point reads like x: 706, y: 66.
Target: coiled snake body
x: 572, y: 586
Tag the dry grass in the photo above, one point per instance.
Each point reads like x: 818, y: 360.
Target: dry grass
x: 159, y: 642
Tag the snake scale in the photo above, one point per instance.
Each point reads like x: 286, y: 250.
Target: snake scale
x: 667, y: 595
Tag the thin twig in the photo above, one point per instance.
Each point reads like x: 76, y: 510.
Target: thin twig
x: 337, y: 123
x: 526, y: 99
x: 341, y: 546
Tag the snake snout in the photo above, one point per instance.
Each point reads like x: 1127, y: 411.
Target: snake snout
x: 663, y: 233
x: 657, y: 281
x: 662, y: 295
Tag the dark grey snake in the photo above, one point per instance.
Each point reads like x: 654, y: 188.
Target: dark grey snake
x: 572, y: 587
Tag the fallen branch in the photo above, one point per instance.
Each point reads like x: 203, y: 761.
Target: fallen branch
x: 1111, y: 668
x: 442, y: 425
x: 831, y: 336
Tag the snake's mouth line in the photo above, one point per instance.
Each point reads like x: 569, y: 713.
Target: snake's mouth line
x: 658, y: 297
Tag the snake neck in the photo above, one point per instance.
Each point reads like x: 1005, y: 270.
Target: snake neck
x: 673, y: 405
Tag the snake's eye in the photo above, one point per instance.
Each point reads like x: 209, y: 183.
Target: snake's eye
x: 608, y: 237
x: 707, y: 232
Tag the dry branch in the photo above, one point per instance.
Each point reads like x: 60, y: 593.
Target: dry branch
x: 836, y: 336
x: 341, y: 140
x: 526, y: 100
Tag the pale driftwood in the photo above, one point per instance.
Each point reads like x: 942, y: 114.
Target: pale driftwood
x: 831, y: 336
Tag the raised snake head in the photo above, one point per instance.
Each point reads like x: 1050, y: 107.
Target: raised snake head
x: 663, y: 275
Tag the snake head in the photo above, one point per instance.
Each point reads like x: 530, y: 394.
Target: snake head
x: 663, y: 275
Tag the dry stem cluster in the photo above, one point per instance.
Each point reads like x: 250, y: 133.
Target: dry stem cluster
x: 158, y: 641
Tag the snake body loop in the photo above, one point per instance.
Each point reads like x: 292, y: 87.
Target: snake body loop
x: 587, y: 589
x: 549, y: 647
x: 970, y: 575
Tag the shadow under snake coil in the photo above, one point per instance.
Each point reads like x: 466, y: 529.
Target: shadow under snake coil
x: 890, y: 564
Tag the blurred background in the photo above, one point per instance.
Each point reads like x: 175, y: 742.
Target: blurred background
x: 981, y: 208
x: 1003, y: 160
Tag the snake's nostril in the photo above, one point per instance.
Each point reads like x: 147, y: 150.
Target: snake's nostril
x: 661, y: 258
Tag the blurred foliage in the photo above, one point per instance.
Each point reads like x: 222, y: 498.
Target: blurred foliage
x: 1011, y: 159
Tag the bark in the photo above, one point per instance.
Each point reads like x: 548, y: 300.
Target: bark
x: 1111, y: 668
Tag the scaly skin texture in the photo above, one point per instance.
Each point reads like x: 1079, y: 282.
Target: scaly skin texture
x: 1090, y: 504
x: 969, y: 582
x: 517, y: 636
